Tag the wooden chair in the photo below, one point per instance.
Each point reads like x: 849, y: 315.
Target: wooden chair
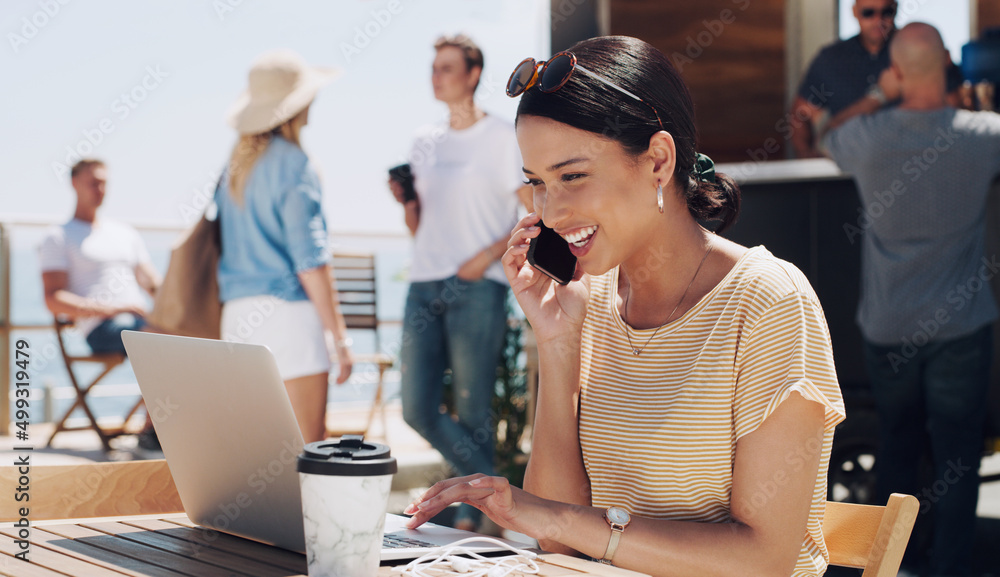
x: 110, y: 361
x: 93, y: 490
x: 357, y: 293
x: 870, y: 537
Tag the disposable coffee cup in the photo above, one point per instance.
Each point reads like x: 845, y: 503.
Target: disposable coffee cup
x: 345, y: 492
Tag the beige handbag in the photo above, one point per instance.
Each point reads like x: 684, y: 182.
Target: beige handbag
x: 187, y: 303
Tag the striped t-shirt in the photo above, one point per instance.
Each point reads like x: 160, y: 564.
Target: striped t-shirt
x: 658, y: 431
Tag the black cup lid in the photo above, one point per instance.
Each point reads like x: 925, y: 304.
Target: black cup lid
x: 349, y: 456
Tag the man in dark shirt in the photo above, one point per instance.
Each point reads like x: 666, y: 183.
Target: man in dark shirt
x: 924, y: 171
x: 843, y: 72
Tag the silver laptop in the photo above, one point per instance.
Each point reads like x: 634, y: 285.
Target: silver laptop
x: 231, y: 442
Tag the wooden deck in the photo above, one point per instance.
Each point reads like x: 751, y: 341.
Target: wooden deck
x: 419, y: 464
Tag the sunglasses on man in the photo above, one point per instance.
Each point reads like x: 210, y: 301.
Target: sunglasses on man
x: 884, y: 13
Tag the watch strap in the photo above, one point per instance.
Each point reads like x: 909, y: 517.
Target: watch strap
x: 616, y: 535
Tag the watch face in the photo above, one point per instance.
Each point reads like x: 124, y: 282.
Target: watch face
x: 617, y: 515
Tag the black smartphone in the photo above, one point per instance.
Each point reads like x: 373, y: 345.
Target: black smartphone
x: 404, y: 176
x: 549, y: 253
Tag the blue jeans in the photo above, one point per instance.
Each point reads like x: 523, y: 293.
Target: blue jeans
x: 938, y: 391
x: 107, y: 336
x: 458, y: 325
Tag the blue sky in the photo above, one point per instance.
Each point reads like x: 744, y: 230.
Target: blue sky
x: 146, y: 85
x: 150, y: 82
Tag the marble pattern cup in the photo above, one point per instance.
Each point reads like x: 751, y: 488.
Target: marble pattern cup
x: 345, y: 491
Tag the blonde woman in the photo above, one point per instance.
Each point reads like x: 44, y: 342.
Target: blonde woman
x: 274, y: 278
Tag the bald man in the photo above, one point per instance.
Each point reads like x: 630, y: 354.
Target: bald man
x: 923, y: 171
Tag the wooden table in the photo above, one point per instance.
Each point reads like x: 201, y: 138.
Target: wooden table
x: 172, y: 546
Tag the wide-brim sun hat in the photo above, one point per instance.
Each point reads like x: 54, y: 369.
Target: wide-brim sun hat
x: 280, y: 86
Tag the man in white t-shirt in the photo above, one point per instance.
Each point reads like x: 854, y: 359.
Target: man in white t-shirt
x: 94, y: 270
x: 468, y: 178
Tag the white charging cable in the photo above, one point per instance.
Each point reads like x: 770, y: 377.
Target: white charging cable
x: 448, y: 560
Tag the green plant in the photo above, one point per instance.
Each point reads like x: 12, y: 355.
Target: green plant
x: 510, y: 402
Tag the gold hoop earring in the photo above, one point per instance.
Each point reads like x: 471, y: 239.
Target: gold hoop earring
x: 659, y: 197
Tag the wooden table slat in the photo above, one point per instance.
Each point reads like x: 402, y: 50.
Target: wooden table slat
x: 172, y: 546
x: 97, y: 556
x: 584, y: 566
x: 226, y: 537
x: 201, y: 536
x: 241, y: 563
x: 13, y: 567
x: 141, y: 552
x: 182, y: 521
x: 59, y: 561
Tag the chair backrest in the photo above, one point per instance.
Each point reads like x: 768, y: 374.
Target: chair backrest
x: 870, y: 537
x: 92, y: 490
x: 357, y: 294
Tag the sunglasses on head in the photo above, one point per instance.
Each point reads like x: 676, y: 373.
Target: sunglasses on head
x: 889, y: 12
x: 553, y: 74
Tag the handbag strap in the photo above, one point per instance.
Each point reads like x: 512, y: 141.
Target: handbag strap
x: 213, y: 208
x: 222, y: 178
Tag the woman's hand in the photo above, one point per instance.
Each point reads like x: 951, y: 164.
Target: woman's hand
x: 345, y: 360
x: 507, y: 506
x: 553, y: 310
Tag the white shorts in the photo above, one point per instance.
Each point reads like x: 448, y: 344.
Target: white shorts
x: 291, y: 329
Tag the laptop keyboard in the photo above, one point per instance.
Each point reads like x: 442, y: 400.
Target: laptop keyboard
x: 398, y: 542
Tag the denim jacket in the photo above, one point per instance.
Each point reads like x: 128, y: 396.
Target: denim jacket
x: 277, y: 232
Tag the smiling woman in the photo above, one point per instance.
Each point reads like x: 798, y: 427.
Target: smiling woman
x: 687, y: 391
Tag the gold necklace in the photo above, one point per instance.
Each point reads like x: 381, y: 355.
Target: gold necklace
x: 636, y: 351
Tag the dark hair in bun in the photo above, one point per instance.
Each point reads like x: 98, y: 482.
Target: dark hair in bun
x: 588, y: 104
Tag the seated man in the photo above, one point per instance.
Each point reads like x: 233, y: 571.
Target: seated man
x: 95, y: 269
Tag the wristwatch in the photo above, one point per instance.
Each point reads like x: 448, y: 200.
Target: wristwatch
x: 875, y: 92
x: 618, y: 518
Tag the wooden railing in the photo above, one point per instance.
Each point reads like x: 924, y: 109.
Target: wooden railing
x: 7, y: 325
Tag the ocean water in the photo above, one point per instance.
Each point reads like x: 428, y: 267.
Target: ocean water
x: 48, y: 371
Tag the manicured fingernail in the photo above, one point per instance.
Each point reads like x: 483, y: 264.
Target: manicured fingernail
x: 532, y: 228
x: 422, y: 506
x: 475, y: 481
x: 410, y: 509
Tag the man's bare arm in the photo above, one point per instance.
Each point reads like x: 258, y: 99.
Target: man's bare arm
x: 60, y: 301
x: 147, y: 277
x: 804, y: 116
x: 888, y: 82
x: 412, y: 216
x: 864, y: 105
x: 411, y: 208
